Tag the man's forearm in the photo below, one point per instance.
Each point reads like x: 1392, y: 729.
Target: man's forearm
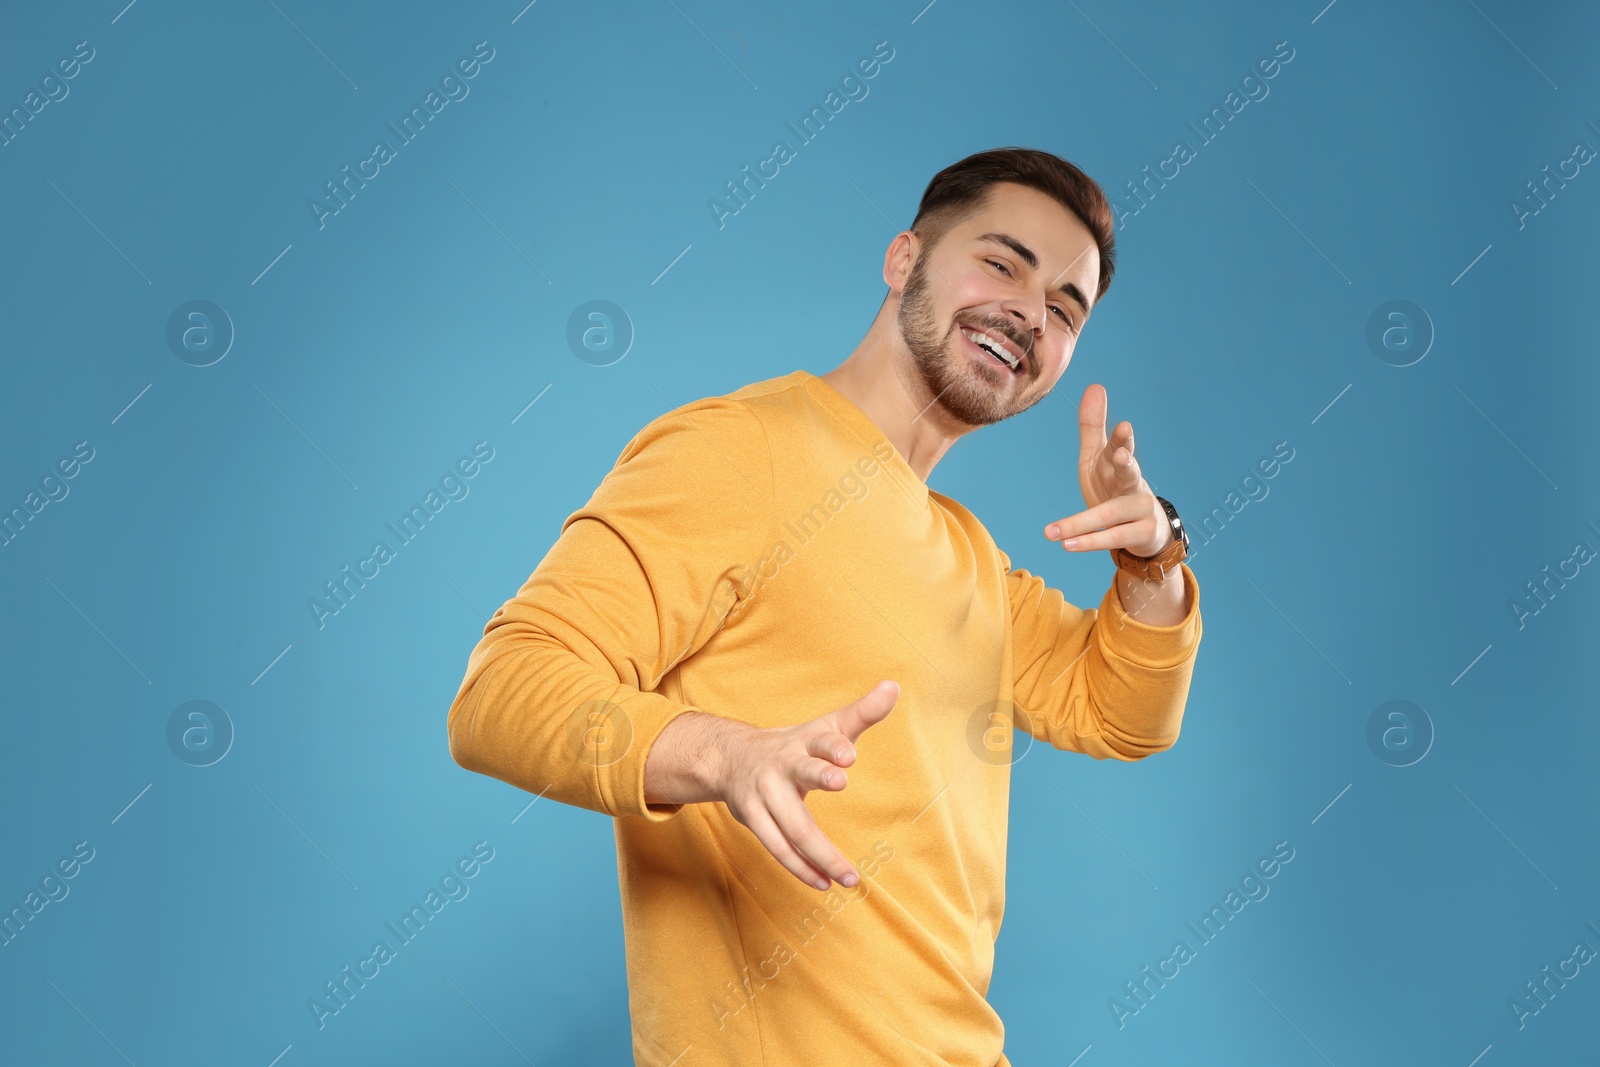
x: 684, y: 764
x: 1156, y: 603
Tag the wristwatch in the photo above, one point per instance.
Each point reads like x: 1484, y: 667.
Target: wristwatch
x: 1156, y: 567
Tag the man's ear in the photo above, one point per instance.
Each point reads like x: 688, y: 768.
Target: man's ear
x: 898, y: 259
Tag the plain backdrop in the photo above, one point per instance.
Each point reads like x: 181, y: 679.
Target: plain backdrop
x: 373, y: 347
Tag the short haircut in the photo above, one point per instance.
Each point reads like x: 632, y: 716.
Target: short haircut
x: 962, y: 189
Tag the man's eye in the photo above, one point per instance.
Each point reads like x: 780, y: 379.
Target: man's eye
x: 997, y: 263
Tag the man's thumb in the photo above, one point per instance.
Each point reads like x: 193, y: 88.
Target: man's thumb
x: 869, y: 710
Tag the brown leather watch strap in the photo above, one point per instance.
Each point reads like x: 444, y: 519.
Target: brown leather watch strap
x: 1158, y: 566
x: 1154, y: 567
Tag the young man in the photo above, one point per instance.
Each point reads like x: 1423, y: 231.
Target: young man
x: 691, y: 654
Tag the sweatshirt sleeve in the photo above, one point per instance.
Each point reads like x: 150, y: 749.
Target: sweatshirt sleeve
x: 558, y: 696
x: 1099, y: 681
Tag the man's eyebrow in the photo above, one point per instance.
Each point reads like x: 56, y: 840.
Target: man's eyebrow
x: 1026, y: 255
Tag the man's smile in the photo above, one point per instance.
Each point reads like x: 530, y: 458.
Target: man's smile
x: 996, y: 346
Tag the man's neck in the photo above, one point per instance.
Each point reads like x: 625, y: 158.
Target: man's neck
x: 876, y: 381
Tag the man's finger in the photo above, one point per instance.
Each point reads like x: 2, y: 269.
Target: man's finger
x: 831, y: 746
x: 1121, y: 437
x: 852, y: 719
x: 1091, y: 423
x: 802, y: 832
x: 1122, y: 535
x: 766, y: 830
x: 814, y: 773
x: 1124, y: 470
x: 1117, y: 509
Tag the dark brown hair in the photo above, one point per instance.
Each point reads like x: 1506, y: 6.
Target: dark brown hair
x: 962, y: 189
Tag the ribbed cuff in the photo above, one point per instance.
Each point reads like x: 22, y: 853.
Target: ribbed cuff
x: 1140, y: 642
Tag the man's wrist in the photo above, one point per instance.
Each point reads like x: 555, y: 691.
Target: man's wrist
x: 1155, y: 601
x: 681, y: 766
x: 715, y: 739
x: 1159, y: 566
x: 711, y: 766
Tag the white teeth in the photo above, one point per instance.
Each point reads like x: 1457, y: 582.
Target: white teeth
x: 987, y: 341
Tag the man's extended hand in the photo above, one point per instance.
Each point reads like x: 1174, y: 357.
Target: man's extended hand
x: 1123, y: 511
x: 763, y: 777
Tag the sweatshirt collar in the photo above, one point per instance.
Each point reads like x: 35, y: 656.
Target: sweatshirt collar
x: 859, y: 425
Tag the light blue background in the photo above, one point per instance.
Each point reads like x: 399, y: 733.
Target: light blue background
x: 432, y: 309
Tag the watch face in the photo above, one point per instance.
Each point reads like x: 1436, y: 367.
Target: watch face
x: 1178, y: 529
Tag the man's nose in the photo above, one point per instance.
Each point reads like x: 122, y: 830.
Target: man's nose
x: 1026, y: 314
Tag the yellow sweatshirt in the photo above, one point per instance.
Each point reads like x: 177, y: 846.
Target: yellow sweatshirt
x: 769, y: 556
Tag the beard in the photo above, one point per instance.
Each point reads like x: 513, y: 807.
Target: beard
x: 967, y: 391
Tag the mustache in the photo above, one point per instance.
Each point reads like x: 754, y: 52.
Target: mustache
x: 1023, y: 341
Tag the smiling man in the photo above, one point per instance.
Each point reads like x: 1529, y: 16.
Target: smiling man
x: 725, y: 627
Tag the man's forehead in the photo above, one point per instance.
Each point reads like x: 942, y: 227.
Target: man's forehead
x: 1059, y: 241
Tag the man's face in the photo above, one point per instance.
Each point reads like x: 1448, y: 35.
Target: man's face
x: 974, y: 281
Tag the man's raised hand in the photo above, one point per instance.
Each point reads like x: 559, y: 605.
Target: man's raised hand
x: 1123, y: 510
